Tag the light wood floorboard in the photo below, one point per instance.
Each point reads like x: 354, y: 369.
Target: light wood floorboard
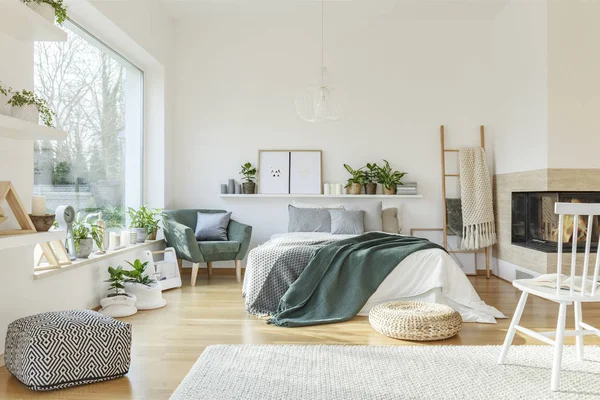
x: 167, y: 342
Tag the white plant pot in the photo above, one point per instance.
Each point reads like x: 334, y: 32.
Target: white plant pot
x: 44, y: 9
x: 4, y: 106
x: 142, y: 234
x: 148, y: 297
x: 85, y: 248
x: 27, y: 113
x: 118, y: 306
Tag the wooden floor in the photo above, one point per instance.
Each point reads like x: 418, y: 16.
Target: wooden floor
x: 167, y: 342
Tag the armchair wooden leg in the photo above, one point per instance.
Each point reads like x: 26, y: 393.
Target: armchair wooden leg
x: 238, y: 270
x: 209, y: 268
x: 195, y: 267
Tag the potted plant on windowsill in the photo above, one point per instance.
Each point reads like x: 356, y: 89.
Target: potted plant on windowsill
x: 117, y: 303
x: 388, y: 178
x: 356, y: 182
x: 144, y: 222
x: 371, y: 178
x: 27, y: 106
x: 248, y: 173
x: 146, y: 289
x: 85, y: 234
x: 50, y: 9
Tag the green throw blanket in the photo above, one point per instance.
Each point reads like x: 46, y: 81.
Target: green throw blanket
x: 342, y: 276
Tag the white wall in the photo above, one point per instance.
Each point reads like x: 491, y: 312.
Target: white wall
x: 237, y: 75
x: 520, y: 92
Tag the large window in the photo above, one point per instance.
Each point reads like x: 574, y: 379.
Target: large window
x: 98, y: 99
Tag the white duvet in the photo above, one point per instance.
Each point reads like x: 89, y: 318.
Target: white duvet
x: 427, y: 275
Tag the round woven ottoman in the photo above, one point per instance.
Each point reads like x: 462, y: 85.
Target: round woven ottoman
x: 415, y: 320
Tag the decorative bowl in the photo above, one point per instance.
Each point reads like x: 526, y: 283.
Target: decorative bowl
x: 42, y: 223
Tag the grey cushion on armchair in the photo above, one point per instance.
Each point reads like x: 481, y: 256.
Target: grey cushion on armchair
x: 179, y: 227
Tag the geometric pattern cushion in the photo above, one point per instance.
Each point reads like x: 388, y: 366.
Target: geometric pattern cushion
x: 56, y: 350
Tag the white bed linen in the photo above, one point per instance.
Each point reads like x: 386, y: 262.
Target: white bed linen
x: 427, y: 275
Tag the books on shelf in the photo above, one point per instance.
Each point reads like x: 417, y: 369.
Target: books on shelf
x: 407, y: 188
x: 549, y: 280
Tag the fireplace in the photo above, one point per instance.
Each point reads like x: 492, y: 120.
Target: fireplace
x: 534, y: 224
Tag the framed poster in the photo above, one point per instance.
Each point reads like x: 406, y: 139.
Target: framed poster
x: 305, y: 172
x: 273, y: 172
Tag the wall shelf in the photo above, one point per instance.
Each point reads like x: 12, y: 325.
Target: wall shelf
x: 22, y: 23
x: 14, y: 241
x: 14, y: 128
x: 325, y: 196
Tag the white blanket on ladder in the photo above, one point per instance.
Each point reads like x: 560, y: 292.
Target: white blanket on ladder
x: 479, y: 229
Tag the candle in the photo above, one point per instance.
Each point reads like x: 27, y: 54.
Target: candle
x: 125, y: 238
x: 327, y: 188
x: 113, y: 240
x: 338, y: 188
x: 38, y: 205
x: 132, y: 238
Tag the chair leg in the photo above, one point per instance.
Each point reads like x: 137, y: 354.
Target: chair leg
x: 510, y: 334
x: 209, y: 268
x: 578, y: 328
x: 195, y: 267
x: 238, y: 270
x: 558, y: 346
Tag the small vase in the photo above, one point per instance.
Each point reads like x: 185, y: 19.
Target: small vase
x: 84, y: 249
x: 27, y: 113
x: 371, y: 188
x: 44, y: 9
x: 392, y: 190
x: 354, y: 188
x: 249, y: 187
x: 142, y: 234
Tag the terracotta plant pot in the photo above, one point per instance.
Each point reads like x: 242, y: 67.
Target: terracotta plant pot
x: 371, y: 188
x: 42, y: 223
x: 389, y: 191
x: 249, y: 187
x: 354, y: 188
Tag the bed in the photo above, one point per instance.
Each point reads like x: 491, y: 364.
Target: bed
x: 428, y: 275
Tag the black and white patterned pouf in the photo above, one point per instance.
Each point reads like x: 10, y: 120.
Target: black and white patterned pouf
x: 57, y: 350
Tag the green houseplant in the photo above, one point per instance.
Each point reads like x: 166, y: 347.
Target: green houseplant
x: 248, y: 173
x: 116, y: 282
x: 85, y: 234
x: 356, y: 182
x: 388, y: 178
x: 28, y: 106
x: 146, y: 290
x: 50, y: 9
x: 144, y: 222
x: 371, y: 178
x: 117, y: 303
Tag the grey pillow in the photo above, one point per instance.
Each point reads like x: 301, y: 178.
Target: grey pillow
x: 347, y: 222
x: 212, y: 226
x: 372, y: 211
x: 308, y: 219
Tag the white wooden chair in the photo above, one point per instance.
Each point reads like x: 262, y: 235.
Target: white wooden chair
x: 564, y: 297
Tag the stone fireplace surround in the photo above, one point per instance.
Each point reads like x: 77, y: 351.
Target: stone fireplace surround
x: 530, y: 181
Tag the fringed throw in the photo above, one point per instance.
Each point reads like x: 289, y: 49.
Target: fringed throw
x: 479, y: 229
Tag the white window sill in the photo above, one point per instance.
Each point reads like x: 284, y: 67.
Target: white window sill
x: 80, y: 262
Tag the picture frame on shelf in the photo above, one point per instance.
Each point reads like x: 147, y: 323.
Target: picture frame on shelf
x: 273, y: 172
x: 290, y: 172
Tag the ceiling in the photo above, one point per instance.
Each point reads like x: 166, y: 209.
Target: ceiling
x: 398, y: 9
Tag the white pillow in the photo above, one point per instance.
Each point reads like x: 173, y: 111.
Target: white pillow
x: 300, y: 204
x: 373, y: 211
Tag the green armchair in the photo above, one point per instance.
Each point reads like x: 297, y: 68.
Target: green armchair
x: 179, y: 227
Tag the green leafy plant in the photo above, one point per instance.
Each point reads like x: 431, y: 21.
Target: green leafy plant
x: 371, y: 172
x: 60, y: 11
x: 358, y: 175
x: 138, y: 273
x: 116, y: 280
x: 5, y: 90
x: 144, y: 217
x: 387, y: 177
x: 248, y: 172
x: 26, y: 98
x: 82, y: 229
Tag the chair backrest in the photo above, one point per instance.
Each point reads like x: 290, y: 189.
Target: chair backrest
x: 577, y: 210
x: 188, y: 216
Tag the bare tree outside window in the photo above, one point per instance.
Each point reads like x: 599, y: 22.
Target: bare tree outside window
x: 88, y: 86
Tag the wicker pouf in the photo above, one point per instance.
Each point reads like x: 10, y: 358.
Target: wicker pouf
x: 57, y: 350
x: 415, y: 320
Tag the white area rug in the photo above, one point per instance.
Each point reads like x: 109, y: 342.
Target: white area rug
x: 386, y: 372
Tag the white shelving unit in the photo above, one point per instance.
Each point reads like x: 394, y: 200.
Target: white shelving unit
x: 14, y: 128
x: 330, y: 196
x: 22, y: 23
x: 25, y: 239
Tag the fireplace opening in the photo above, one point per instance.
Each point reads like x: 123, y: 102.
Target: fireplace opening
x: 535, y: 225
